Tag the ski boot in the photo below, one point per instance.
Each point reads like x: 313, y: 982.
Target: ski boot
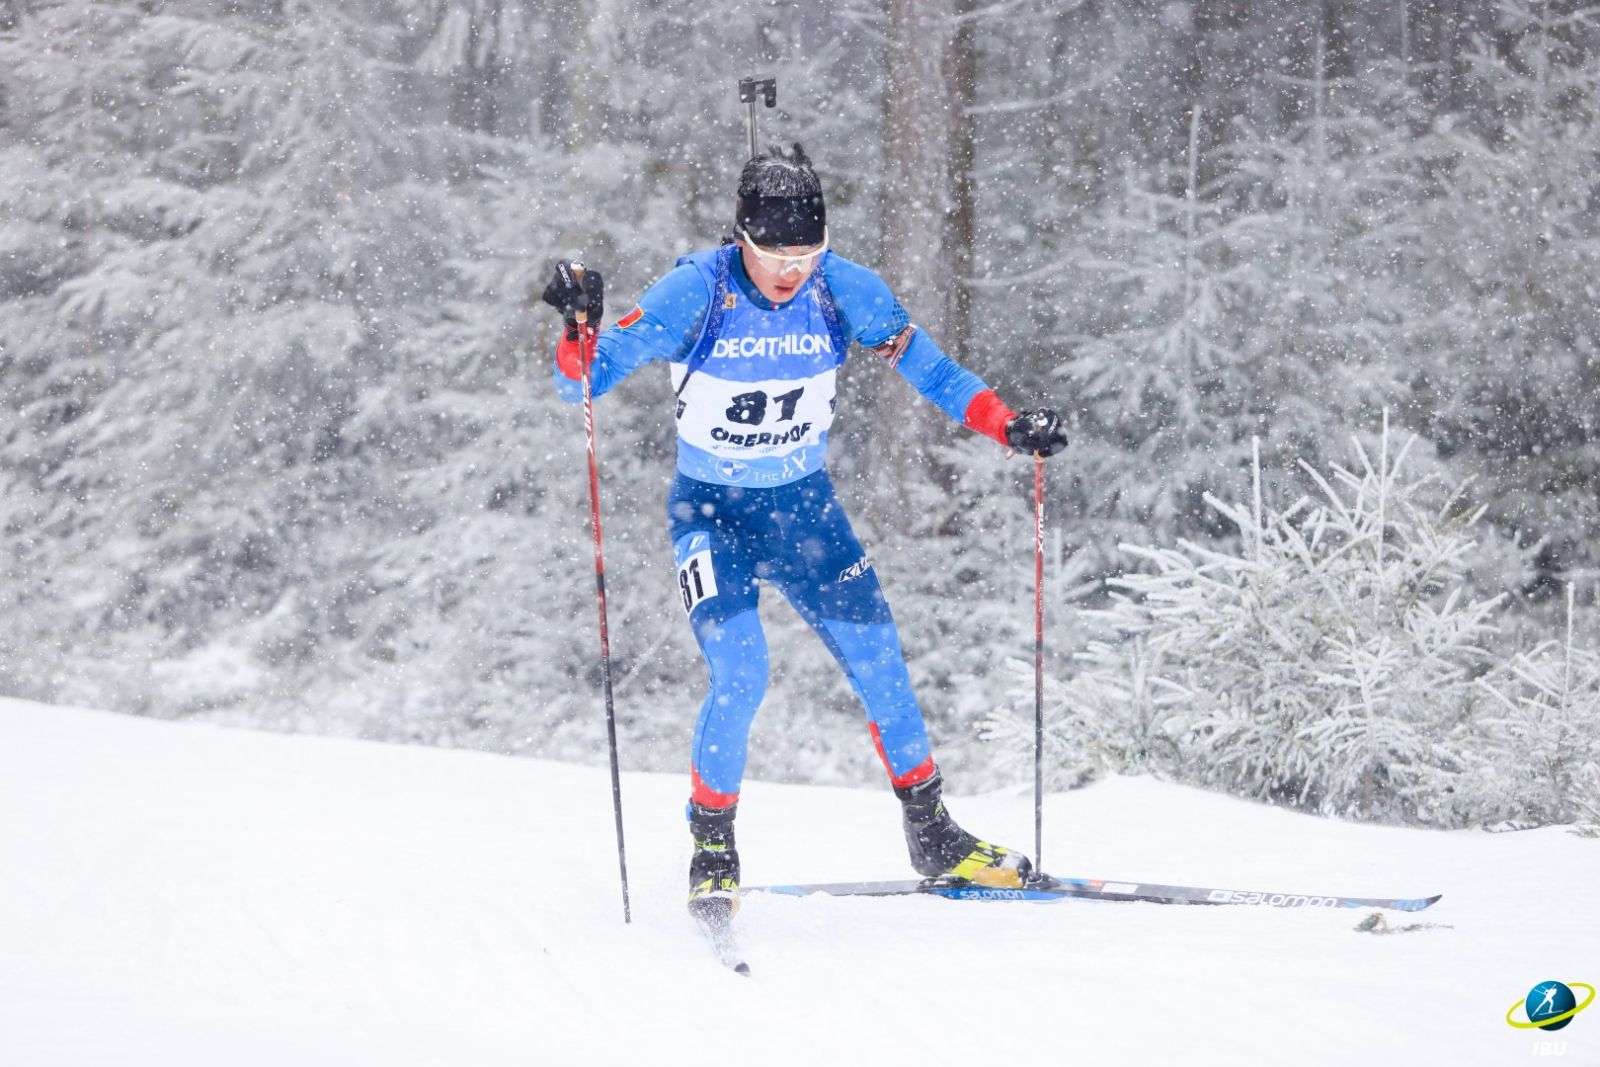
x: 714, y: 867
x: 941, y: 849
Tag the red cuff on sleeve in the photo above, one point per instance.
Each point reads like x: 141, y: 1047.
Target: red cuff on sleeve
x: 571, y: 354
x: 988, y: 415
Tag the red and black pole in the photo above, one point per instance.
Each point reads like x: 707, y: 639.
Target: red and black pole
x: 600, y: 588
x: 1038, y: 661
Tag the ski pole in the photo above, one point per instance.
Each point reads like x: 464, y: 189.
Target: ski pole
x: 1038, y: 661
x: 600, y: 588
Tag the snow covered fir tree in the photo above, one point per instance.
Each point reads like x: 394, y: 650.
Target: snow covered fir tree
x: 1315, y: 284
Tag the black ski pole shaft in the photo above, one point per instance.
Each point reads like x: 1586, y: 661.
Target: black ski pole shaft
x: 600, y: 589
x: 1038, y: 661
x: 749, y: 89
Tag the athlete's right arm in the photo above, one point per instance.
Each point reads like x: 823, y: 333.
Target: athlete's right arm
x: 664, y: 325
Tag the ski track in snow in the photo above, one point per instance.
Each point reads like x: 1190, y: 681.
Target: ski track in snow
x: 184, y: 894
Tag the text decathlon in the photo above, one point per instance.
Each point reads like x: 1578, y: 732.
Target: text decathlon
x: 804, y: 344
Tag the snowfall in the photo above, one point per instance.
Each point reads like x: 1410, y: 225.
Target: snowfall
x: 180, y: 893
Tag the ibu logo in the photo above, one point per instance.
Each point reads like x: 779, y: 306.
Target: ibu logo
x: 1549, y: 1005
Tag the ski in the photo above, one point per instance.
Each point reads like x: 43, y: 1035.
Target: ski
x: 1046, y: 888
x: 714, y: 916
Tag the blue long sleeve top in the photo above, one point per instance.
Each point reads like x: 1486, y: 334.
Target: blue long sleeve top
x: 754, y: 403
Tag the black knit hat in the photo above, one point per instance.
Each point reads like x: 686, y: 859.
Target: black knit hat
x: 780, y: 201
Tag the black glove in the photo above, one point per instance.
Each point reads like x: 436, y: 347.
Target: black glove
x: 1037, y: 431
x: 567, y: 295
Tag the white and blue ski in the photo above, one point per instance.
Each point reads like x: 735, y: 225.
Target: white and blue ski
x: 714, y: 916
x: 1046, y: 888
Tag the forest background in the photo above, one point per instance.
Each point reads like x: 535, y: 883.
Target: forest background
x: 1315, y: 283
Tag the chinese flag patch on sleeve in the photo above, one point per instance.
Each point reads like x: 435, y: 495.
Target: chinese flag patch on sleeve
x: 630, y: 318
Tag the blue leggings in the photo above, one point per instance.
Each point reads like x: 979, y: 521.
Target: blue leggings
x: 796, y: 536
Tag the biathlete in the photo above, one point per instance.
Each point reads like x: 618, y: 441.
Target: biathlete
x: 754, y: 333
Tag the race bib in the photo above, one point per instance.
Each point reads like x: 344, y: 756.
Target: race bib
x: 748, y: 420
x: 697, y: 580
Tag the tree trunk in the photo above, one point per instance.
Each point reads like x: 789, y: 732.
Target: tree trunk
x: 919, y: 201
x: 473, y: 88
x: 573, y: 89
x: 961, y: 231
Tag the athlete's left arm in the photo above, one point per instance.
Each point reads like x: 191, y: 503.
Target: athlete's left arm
x: 874, y: 319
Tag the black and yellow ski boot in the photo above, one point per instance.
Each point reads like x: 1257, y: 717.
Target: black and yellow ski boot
x: 714, y: 867
x: 941, y: 849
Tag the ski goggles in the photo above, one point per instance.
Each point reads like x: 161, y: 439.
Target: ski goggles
x: 782, y: 264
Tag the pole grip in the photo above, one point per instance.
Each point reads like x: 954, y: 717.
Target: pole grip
x: 577, y: 276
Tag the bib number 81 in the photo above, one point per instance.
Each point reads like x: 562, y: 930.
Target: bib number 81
x: 696, y: 579
x: 750, y: 409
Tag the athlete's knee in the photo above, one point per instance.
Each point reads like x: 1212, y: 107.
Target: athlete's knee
x: 740, y: 685
x: 736, y: 652
x: 871, y: 654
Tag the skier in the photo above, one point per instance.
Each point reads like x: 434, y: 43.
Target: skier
x: 754, y: 333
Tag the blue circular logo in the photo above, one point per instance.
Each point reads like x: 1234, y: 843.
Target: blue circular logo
x: 1549, y: 1006
x: 732, y: 470
x: 1547, y: 1000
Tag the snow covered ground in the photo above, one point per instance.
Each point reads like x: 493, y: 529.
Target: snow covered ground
x: 184, y: 894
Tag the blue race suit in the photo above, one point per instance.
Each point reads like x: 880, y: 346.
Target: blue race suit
x: 755, y: 395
